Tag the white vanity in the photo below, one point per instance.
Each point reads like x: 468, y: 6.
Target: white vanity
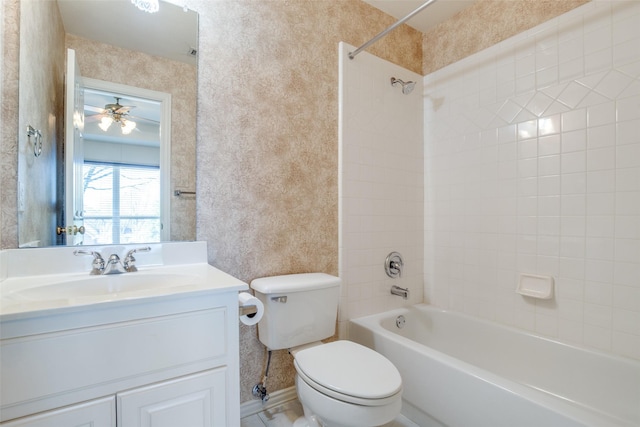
x: 157, y: 347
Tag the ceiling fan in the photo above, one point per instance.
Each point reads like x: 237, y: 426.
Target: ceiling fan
x: 115, y: 113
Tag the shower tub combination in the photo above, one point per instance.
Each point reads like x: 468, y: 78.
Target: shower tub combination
x: 458, y: 370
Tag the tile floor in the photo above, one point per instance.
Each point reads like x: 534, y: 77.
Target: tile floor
x: 284, y: 415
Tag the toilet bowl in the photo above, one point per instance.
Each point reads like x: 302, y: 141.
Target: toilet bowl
x: 341, y: 383
x: 344, y: 384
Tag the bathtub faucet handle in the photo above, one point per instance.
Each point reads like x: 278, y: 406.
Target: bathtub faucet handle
x: 393, y: 265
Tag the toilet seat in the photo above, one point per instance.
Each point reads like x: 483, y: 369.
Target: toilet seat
x: 349, y: 372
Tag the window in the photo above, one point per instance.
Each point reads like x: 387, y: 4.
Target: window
x: 121, y: 203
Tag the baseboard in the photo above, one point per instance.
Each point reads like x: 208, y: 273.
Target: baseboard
x: 276, y: 398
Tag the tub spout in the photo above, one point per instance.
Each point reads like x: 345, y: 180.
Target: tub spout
x: 401, y: 292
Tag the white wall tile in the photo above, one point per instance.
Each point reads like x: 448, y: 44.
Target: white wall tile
x: 574, y: 120
x: 601, y: 136
x: 573, y: 246
x: 573, y: 183
x: 559, y: 192
x: 602, y: 181
x: 628, y: 156
x: 598, y: 293
x: 573, y: 162
x: 382, y: 194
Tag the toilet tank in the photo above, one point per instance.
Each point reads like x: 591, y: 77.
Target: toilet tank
x: 298, y: 308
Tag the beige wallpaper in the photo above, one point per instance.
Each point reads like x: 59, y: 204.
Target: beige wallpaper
x: 114, y: 64
x: 9, y: 123
x: 267, y: 139
x: 484, y: 24
x: 41, y: 105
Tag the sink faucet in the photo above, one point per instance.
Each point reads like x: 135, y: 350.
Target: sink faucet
x: 113, y: 265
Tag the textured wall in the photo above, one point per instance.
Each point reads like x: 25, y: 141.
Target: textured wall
x: 9, y: 128
x: 114, y: 64
x: 484, y: 24
x: 268, y: 140
x: 41, y: 105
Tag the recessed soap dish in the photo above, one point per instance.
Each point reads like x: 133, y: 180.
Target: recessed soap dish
x: 535, y: 286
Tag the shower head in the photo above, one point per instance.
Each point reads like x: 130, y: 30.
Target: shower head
x: 407, y: 87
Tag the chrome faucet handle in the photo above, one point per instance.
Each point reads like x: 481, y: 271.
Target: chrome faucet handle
x: 98, y: 264
x: 130, y: 262
x: 393, y: 265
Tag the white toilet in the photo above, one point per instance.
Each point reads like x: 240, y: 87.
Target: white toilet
x: 341, y: 384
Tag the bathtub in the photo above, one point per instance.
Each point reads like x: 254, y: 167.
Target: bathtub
x: 461, y: 371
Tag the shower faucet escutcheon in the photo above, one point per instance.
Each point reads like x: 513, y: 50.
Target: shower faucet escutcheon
x: 393, y: 265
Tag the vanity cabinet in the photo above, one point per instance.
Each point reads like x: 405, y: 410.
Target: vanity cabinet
x: 96, y: 413
x: 192, y: 401
x: 154, y: 348
x: 167, y: 362
x: 195, y: 401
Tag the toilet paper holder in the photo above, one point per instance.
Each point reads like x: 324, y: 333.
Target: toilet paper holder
x: 247, y: 310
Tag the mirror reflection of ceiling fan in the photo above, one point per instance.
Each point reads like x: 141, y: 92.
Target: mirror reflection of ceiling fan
x: 116, y: 113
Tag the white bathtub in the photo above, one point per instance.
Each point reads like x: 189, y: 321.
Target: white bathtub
x: 461, y: 371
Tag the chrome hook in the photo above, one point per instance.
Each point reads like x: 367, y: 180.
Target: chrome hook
x: 37, y: 144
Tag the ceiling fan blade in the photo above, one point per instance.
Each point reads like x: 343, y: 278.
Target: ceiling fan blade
x: 94, y: 109
x: 93, y: 118
x: 123, y: 109
x: 138, y: 118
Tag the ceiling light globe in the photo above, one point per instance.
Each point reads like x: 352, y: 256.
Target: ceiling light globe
x: 128, y: 126
x: 105, y: 122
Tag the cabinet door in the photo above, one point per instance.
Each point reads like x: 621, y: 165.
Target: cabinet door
x: 191, y: 401
x: 96, y: 413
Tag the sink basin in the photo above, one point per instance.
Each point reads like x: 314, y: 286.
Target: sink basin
x: 109, y: 285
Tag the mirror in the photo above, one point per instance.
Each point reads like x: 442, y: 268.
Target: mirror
x: 137, y: 55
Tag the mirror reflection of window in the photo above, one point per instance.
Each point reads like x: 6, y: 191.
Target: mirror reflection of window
x: 122, y: 203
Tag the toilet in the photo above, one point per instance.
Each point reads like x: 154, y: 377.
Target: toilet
x: 341, y: 383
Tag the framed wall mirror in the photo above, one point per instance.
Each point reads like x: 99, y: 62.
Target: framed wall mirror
x: 138, y: 76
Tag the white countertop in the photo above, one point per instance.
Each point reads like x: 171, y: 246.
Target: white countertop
x: 48, y: 280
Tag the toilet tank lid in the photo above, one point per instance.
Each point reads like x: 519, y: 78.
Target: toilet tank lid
x: 294, y: 283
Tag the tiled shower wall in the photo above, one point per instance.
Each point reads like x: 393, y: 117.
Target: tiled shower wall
x: 532, y: 165
x: 381, y: 184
